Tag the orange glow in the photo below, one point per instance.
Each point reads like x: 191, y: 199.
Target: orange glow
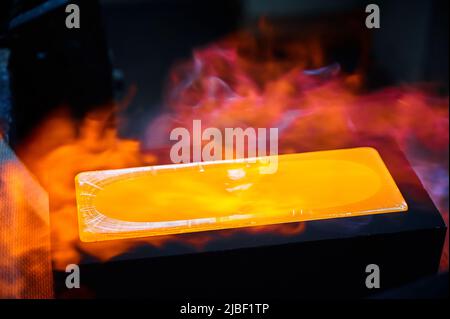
x: 169, y: 199
x: 241, y: 82
x: 25, y: 260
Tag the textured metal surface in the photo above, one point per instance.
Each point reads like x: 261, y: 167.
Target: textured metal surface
x: 25, y: 262
x: 5, y: 94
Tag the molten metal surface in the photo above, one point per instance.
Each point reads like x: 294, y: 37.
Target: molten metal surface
x: 169, y: 199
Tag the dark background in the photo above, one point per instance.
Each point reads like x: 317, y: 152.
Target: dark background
x: 134, y: 43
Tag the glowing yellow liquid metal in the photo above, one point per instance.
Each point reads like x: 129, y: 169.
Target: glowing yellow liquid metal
x: 183, y: 198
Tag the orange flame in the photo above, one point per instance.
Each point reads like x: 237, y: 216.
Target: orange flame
x: 240, y: 82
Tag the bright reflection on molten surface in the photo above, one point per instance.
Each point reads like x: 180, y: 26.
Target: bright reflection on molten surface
x: 169, y: 199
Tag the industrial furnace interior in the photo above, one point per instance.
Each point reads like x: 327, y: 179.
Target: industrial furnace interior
x: 230, y: 151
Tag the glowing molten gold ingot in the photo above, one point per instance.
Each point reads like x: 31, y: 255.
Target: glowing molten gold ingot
x: 170, y: 199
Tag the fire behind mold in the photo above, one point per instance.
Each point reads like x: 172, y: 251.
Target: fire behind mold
x: 236, y: 83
